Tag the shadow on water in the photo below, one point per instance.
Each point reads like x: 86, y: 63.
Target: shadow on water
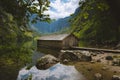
x: 53, y: 51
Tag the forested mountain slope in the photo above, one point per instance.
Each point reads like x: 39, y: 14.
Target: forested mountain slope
x: 56, y: 26
x: 52, y: 27
x: 98, y: 22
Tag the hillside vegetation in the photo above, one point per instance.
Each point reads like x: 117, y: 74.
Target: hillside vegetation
x: 15, y: 36
x: 97, y: 22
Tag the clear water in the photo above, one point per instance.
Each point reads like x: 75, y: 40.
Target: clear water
x: 56, y: 72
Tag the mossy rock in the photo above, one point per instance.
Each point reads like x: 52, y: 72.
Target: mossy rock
x: 46, y: 61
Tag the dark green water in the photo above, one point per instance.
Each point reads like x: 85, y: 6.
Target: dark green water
x: 13, y: 59
x: 9, y: 67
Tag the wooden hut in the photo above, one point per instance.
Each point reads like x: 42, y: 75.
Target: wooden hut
x: 61, y: 41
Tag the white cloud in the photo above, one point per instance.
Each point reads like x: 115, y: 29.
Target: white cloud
x: 62, y: 9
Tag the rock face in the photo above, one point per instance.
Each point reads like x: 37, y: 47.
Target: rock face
x: 46, y: 61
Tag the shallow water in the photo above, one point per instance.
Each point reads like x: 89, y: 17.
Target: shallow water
x: 56, y: 72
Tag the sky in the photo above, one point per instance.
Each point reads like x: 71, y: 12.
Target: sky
x: 62, y: 8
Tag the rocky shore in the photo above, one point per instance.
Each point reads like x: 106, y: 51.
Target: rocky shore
x: 48, y: 67
x: 92, y: 65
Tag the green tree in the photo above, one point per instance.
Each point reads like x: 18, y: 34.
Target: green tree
x: 14, y: 28
x: 97, y: 23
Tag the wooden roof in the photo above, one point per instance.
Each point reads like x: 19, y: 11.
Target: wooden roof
x: 54, y: 37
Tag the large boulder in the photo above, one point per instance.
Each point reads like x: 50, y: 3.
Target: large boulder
x: 46, y: 61
x: 69, y: 56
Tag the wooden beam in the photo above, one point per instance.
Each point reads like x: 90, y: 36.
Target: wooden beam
x: 95, y: 49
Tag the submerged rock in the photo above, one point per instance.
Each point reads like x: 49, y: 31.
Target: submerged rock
x: 46, y: 61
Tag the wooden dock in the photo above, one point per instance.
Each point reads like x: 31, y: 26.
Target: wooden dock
x: 95, y: 49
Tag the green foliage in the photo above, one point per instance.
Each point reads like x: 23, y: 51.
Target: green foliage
x: 16, y: 40
x: 12, y: 52
x: 96, y: 23
x: 38, y: 8
x: 23, y: 9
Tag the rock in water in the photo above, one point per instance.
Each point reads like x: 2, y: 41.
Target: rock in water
x: 46, y: 61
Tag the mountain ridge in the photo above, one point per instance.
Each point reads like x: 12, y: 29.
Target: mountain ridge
x: 56, y: 26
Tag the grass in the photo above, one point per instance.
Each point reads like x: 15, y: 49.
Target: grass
x: 90, y: 69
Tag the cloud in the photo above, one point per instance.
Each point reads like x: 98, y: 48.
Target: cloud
x: 62, y: 8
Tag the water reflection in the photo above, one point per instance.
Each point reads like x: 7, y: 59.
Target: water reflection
x: 56, y: 72
x: 43, y: 51
x: 36, y: 56
x: 53, y: 51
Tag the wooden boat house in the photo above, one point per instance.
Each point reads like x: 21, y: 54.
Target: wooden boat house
x: 60, y: 41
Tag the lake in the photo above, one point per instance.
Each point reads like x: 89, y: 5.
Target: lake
x: 56, y: 72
